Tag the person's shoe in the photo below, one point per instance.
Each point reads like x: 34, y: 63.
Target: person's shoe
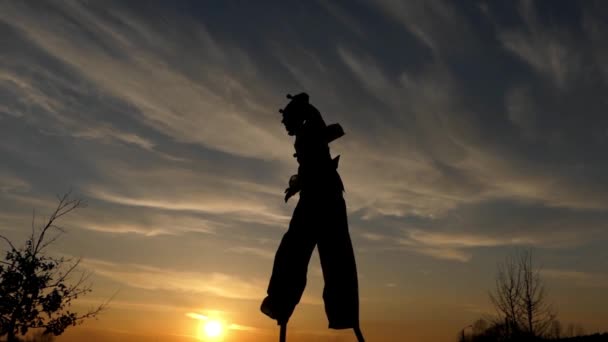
x: 266, y: 308
x: 271, y: 311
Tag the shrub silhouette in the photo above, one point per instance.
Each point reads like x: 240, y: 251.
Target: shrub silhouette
x: 36, y: 291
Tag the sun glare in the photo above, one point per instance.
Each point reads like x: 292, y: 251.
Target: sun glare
x: 211, y: 330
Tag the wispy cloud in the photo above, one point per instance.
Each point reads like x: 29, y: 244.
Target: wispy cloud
x: 550, y: 51
x: 578, y: 278
x: 460, y: 240
x: 12, y: 183
x: 153, y: 278
x: 438, y: 252
x: 439, y: 242
x: 188, y: 189
x: 455, y: 246
x: 210, y: 283
x: 62, y: 117
x: 435, y: 23
x: 152, y: 224
x: 470, y: 128
x: 188, y: 109
x: 259, y: 252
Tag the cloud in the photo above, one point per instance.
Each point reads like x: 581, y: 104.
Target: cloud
x: 193, y: 189
x: 152, y: 278
x: 161, y: 219
x: 437, y: 24
x: 445, y: 253
x: 578, y: 278
x: 431, y: 157
x: 447, y: 150
x: 455, y: 246
x: 147, y: 223
x: 126, y: 137
x: 460, y: 232
x: 459, y: 240
x: 445, y: 157
x: 259, y: 252
x: 441, y: 156
x: 343, y: 17
x: 49, y: 106
x: 550, y: 51
x: 546, y: 55
x: 211, y: 283
x: 424, y: 163
x: 198, y: 316
x: 595, y: 28
x: 10, y: 183
x: 202, y: 204
x: 373, y: 236
x: 126, y: 61
x: 522, y: 110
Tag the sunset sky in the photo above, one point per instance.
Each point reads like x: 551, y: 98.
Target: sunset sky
x: 474, y: 129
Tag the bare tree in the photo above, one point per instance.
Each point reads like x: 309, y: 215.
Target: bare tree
x: 538, y: 313
x: 507, y: 295
x: 520, y: 297
x: 37, y: 290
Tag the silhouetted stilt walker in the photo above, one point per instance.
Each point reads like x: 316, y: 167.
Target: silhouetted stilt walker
x: 319, y: 220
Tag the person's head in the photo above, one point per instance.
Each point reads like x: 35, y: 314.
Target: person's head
x: 297, y: 111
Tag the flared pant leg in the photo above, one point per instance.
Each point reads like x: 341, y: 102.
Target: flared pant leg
x: 320, y: 221
x: 290, y: 267
x: 341, y: 291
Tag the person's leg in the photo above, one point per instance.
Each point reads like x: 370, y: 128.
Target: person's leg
x: 288, y: 278
x: 341, y: 294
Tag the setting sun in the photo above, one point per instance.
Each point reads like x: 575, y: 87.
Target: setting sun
x: 211, y: 330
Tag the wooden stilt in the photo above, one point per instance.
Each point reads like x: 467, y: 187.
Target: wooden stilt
x: 283, y: 334
x: 359, y: 334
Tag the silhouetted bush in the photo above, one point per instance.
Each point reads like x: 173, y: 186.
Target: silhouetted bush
x: 35, y: 289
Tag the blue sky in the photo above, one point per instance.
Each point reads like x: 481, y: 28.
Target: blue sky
x: 473, y: 129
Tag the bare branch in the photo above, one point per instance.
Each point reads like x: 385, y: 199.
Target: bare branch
x: 65, y: 206
x: 8, y: 241
x: 51, y: 241
x: 33, y: 224
x: 67, y: 273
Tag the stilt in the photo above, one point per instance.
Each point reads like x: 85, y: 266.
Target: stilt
x: 359, y: 334
x: 283, y: 334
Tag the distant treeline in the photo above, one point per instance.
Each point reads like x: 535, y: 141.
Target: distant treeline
x: 490, y: 338
x: 587, y: 338
x: 523, y: 311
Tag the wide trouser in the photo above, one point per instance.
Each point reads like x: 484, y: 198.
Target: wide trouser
x: 318, y: 220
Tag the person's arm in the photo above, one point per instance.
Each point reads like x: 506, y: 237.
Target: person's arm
x: 294, y: 187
